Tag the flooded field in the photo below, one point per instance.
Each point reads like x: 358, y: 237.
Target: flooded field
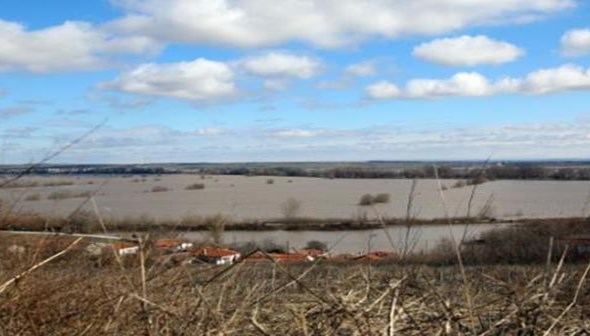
x: 242, y: 197
x: 420, y: 239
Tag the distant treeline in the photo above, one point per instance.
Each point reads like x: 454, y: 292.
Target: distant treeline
x: 507, y: 171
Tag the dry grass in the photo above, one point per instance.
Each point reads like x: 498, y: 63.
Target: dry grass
x: 78, y: 295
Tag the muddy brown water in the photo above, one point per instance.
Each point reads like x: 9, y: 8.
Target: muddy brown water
x: 243, y: 197
x: 420, y: 238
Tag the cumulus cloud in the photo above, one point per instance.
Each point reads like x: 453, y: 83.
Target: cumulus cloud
x: 383, y: 90
x: 467, y: 51
x: 66, y: 47
x: 567, y: 77
x: 326, y: 23
x: 280, y: 64
x: 576, y: 42
x: 361, y: 69
x: 198, y: 80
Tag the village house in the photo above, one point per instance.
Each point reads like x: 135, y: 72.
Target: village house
x: 172, y: 245
x: 123, y: 248
x: 279, y: 257
x: 215, y: 255
x: 579, y: 243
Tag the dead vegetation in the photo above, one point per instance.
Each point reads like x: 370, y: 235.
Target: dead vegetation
x: 148, y: 294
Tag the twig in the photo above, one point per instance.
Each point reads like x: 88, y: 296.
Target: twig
x: 5, y: 285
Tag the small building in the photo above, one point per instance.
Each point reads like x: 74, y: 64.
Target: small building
x: 124, y: 249
x: 172, y: 245
x: 216, y: 255
x: 314, y: 253
x: 279, y: 257
x: 376, y: 256
x: 579, y: 242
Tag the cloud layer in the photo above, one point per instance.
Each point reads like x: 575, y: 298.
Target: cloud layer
x: 567, y: 77
x: 325, y: 23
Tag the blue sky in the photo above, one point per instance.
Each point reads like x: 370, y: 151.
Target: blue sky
x: 295, y: 80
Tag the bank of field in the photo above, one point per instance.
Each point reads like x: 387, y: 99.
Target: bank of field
x: 241, y: 197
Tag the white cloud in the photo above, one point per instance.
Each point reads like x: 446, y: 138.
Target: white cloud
x: 576, y: 42
x: 209, y: 131
x: 467, y: 51
x: 293, y: 133
x: 383, y: 90
x: 567, y: 77
x: 326, y: 23
x: 66, y: 47
x: 200, y: 79
x: 564, y: 78
x: 280, y: 64
x: 460, y: 84
x: 362, y: 69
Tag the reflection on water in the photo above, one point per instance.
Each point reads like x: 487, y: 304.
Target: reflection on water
x: 420, y: 238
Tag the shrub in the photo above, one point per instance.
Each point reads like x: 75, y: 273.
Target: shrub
x: 62, y: 194
x: 195, y: 186
x: 291, y: 208
x: 459, y: 184
x: 316, y: 245
x: 270, y: 181
x: 160, y: 189
x: 366, y: 199
x: 381, y: 198
x: 65, y: 194
x: 33, y: 197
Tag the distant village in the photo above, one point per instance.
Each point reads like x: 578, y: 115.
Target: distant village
x: 189, y: 252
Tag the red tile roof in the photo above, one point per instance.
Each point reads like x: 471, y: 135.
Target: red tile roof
x: 213, y: 252
x: 167, y: 243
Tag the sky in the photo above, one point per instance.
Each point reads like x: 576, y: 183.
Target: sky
x: 294, y: 80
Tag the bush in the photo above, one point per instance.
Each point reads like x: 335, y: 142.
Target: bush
x: 160, y: 189
x: 33, y: 197
x: 195, y: 186
x: 65, y: 194
x: 291, y: 208
x: 459, y: 184
x: 366, y: 199
x: 270, y: 181
x: 316, y: 245
x: 381, y: 198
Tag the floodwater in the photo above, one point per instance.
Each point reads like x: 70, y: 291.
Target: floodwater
x: 242, y: 197
x: 420, y: 238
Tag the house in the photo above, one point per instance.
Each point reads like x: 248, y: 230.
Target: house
x: 173, y: 245
x: 314, y: 253
x: 579, y: 242
x: 216, y: 255
x: 279, y: 257
x: 376, y: 256
x: 123, y: 248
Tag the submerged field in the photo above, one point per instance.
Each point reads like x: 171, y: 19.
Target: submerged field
x: 241, y: 197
